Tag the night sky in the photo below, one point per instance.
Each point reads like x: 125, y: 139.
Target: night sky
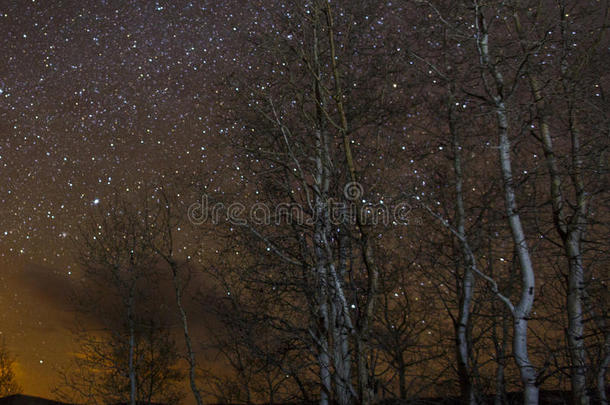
x: 101, y: 98
x: 96, y: 98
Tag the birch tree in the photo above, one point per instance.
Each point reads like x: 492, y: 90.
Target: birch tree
x: 499, y: 91
x: 304, y: 125
x: 570, y: 194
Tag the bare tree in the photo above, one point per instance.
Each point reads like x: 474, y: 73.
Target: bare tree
x: 570, y: 226
x: 302, y: 132
x: 163, y: 221
x: 402, y: 331
x: 99, y: 372
x: 310, y: 128
x: 8, y: 382
x: 498, y: 92
x: 115, y: 259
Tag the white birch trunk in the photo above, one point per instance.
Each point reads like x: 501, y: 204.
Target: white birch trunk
x: 522, y: 310
x: 341, y: 357
x: 575, y: 330
x: 570, y: 232
x: 187, y: 337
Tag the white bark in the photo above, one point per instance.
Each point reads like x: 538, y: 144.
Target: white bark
x: 575, y: 330
x: 569, y: 230
x: 321, y: 291
x: 363, y: 330
x: 521, y: 311
x: 187, y: 337
x: 341, y: 357
x: 604, y: 361
x: 323, y: 261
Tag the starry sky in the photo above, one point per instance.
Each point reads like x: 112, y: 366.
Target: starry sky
x: 96, y: 98
x: 101, y: 97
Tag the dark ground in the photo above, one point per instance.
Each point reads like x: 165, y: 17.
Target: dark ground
x: 514, y: 398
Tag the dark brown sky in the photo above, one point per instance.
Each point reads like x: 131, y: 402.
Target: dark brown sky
x: 35, y: 320
x: 96, y: 97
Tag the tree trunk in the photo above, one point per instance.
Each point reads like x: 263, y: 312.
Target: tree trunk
x: 132, y: 345
x: 342, y: 362
x: 321, y: 226
x: 575, y: 331
x: 601, y: 372
x: 570, y: 232
x: 324, y: 368
x: 526, y: 369
x: 365, y: 393
x: 322, y: 324
x: 187, y: 337
x: 323, y: 261
x: 402, y: 383
x: 522, y: 310
x: 501, y: 345
x: 524, y: 307
x: 341, y: 357
x: 500, y: 395
x: 604, y: 361
x: 466, y: 288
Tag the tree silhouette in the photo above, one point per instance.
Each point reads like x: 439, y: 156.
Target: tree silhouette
x: 8, y: 383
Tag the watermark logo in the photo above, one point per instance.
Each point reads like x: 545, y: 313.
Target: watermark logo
x: 353, y: 191
x: 350, y: 209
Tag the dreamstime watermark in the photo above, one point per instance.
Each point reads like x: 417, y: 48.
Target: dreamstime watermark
x: 337, y: 212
